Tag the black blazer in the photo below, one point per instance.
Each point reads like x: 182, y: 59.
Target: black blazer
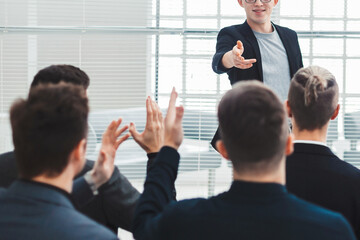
x: 227, y: 39
x: 39, y: 211
x: 247, y: 211
x: 315, y: 174
x: 113, y: 207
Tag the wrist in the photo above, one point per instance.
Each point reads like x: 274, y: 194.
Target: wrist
x: 172, y: 145
x: 93, y: 184
x: 228, y: 59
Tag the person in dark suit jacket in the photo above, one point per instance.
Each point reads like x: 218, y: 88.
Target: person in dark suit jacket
x: 314, y: 172
x: 114, y: 205
x: 257, y: 206
x: 258, y: 50
x: 49, y: 134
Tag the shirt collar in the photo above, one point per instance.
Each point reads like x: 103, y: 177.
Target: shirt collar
x: 310, y: 142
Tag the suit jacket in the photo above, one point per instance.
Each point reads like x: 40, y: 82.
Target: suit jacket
x: 226, y: 40
x: 247, y: 211
x: 113, y: 207
x: 315, y: 174
x: 31, y: 210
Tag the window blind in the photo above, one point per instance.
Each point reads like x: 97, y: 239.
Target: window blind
x: 131, y: 49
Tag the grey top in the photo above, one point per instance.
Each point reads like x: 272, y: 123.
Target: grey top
x: 275, y: 63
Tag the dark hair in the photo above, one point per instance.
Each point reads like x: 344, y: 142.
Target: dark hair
x: 313, y: 97
x: 253, y: 127
x: 57, y: 73
x: 47, y: 127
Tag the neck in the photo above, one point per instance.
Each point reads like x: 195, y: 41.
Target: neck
x: 64, y: 181
x: 275, y: 176
x: 318, y: 135
x: 265, y: 27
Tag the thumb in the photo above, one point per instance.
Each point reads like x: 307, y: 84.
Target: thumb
x: 132, y: 129
x: 179, y: 114
x: 239, y: 44
x: 102, y: 158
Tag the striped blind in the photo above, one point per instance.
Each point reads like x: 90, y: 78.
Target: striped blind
x: 131, y: 49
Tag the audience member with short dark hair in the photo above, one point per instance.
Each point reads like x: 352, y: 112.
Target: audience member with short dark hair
x: 114, y: 205
x: 49, y: 134
x: 255, y: 138
x: 314, y: 172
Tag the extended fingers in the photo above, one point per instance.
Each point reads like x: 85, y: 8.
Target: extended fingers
x: 149, y: 111
x: 244, y: 63
x: 121, y: 130
x: 155, y: 109
x: 171, y: 109
x: 121, y: 140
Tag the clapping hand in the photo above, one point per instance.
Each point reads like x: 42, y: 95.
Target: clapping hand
x: 104, y: 166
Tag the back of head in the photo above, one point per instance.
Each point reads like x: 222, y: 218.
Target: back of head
x: 47, y: 127
x: 313, y: 97
x: 57, y: 73
x: 253, y: 127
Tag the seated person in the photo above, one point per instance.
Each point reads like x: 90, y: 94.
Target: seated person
x: 256, y: 139
x: 49, y: 134
x: 114, y: 205
x: 313, y: 171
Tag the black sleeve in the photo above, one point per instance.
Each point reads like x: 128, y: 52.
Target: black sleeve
x: 225, y: 43
x: 119, y: 199
x: 157, y: 194
x: 114, y: 206
x: 151, y: 158
x: 81, y: 193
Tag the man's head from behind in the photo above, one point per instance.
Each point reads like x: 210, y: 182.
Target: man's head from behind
x: 47, y: 127
x: 253, y: 127
x: 313, y: 98
x: 61, y: 73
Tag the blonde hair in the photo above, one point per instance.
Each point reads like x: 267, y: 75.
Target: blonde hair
x: 313, y: 97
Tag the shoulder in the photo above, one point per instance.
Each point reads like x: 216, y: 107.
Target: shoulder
x: 284, y: 30
x: 184, y: 209
x: 80, y: 226
x: 233, y: 29
x: 7, y: 156
x: 317, y: 215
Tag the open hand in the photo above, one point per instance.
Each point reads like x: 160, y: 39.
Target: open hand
x: 238, y: 60
x: 173, y: 123
x: 104, y: 166
x: 152, y: 138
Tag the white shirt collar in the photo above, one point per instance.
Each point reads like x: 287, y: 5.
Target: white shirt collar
x: 310, y: 142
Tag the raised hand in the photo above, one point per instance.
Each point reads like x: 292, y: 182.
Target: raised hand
x: 234, y: 58
x: 152, y: 138
x: 173, y: 123
x: 104, y: 166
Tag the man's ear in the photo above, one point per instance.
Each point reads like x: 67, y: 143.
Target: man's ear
x: 221, y: 149
x: 336, y: 112
x: 275, y: 2
x: 289, y: 147
x: 288, y: 109
x: 241, y: 3
x: 79, y: 152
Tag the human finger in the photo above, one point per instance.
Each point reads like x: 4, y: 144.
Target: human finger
x: 149, y: 111
x: 134, y: 133
x: 155, y: 111
x: 171, y: 109
x: 121, y: 130
x: 239, y: 44
x: 121, y: 140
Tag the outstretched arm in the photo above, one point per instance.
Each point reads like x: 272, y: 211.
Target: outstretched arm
x: 234, y: 58
x: 161, y: 177
x: 103, y: 167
